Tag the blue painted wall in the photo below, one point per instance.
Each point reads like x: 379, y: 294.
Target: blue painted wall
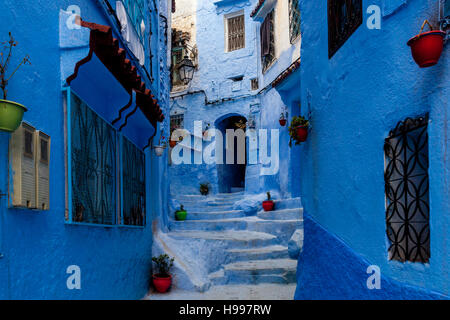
x: 38, y: 246
x: 354, y: 100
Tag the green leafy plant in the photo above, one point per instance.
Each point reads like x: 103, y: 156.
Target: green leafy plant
x: 5, y: 60
x: 204, y: 188
x: 163, y: 264
x: 297, y: 121
x: 268, y: 196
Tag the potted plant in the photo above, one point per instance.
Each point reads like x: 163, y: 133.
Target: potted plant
x: 298, y: 130
x: 180, y: 215
x: 11, y: 113
x: 426, y: 47
x: 204, y: 188
x: 163, y: 279
x: 268, y: 204
x: 159, y: 149
x: 283, y: 120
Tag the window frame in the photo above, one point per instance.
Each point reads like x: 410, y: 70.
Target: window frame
x: 117, y: 172
x: 335, y: 39
x: 227, y: 17
x: 264, y: 64
x: 407, y: 194
x: 292, y: 14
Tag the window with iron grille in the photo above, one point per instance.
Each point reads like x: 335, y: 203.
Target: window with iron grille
x: 235, y: 32
x: 177, y: 57
x: 96, y: 160
x: 133, y: 184
x: 136, y: 9
x: 344, y: 17
x: 93, y: 166
x: 267, y: 32
x: 406, y: 188
x: 294, y: 19
x: 176, y: 122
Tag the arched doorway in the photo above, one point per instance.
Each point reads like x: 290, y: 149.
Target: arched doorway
x: 231, y: 176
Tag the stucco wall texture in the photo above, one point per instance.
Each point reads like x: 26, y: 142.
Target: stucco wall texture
x: 38, y: 246
x: 354, y: 100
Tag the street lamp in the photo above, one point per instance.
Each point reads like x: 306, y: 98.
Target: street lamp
x: 186, y: 70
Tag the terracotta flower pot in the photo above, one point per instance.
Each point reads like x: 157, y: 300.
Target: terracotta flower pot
x: 268, y: 205
x: 11, y: 115
x: 426, y: 47
x: 302, y: 133
x: 283, y: 122
x: 162, y: 284
x: 172, y: 143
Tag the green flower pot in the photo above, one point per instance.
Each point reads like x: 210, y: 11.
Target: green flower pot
x: 11, y: 115
x: 180, y: 215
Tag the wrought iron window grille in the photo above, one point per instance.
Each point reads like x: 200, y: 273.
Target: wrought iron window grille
x: 106, y: 172
x: 235, y: 33
x: 269, y: 58
x: 407, y: 191
x: 294, y: 20
x: 344, y: 17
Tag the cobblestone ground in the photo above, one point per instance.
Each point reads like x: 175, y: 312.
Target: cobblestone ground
x: 231, y: 292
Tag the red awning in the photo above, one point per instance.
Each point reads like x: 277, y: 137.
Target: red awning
x: 107, y: 49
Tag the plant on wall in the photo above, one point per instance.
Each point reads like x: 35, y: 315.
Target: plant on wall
x: 298, y: 130
x: 11, y: 113
x: 162, y: 279
x: 204, y: 188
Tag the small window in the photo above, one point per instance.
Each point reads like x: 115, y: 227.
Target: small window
x: 344, y: 17
x: 235, y: 32
x: 294, y: 19
x: 176, y: 122
x: 406, y: 188
x: 268, y: 41
x: 254, y: 84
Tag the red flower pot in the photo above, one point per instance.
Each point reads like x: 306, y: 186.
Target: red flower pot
x: 162, y: 284
x: 283, y: 122
x: 426, y: 48
x: 172, y: 143
x: 268, y: 205
x: 302, y: 133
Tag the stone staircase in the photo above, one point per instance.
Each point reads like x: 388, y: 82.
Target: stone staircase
x: 246, y: 249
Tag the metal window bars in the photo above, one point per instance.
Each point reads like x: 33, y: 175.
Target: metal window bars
x: 344, y: 17
x: 236, y: 33
x: 270, y: 57
x: 407, y: 191
x: 294, y: 19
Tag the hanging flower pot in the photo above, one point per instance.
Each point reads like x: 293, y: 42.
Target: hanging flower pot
x: 11, y: 115
x: 302, y: 133
x: 159, y: 150
x: 298, y: 130
x: 283, y: 119
x: 426, y: 47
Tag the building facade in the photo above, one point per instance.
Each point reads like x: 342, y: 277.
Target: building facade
x: 375, y: 168
x: 97, y: 96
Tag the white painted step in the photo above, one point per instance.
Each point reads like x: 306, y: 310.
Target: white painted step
x: 270, y: 252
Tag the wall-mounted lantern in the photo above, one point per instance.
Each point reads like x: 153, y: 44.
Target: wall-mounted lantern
x: 186, y: 70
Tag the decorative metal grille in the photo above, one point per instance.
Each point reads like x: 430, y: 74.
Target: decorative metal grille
x: 270, y: 57
x: 294, y: 19
x: 93, y: 165
x: 406, y: 187
x: 344, y: 17
x: 133, y: 184
x: 236, y: 33
x: 176, y: 122
x: 135, y: 9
